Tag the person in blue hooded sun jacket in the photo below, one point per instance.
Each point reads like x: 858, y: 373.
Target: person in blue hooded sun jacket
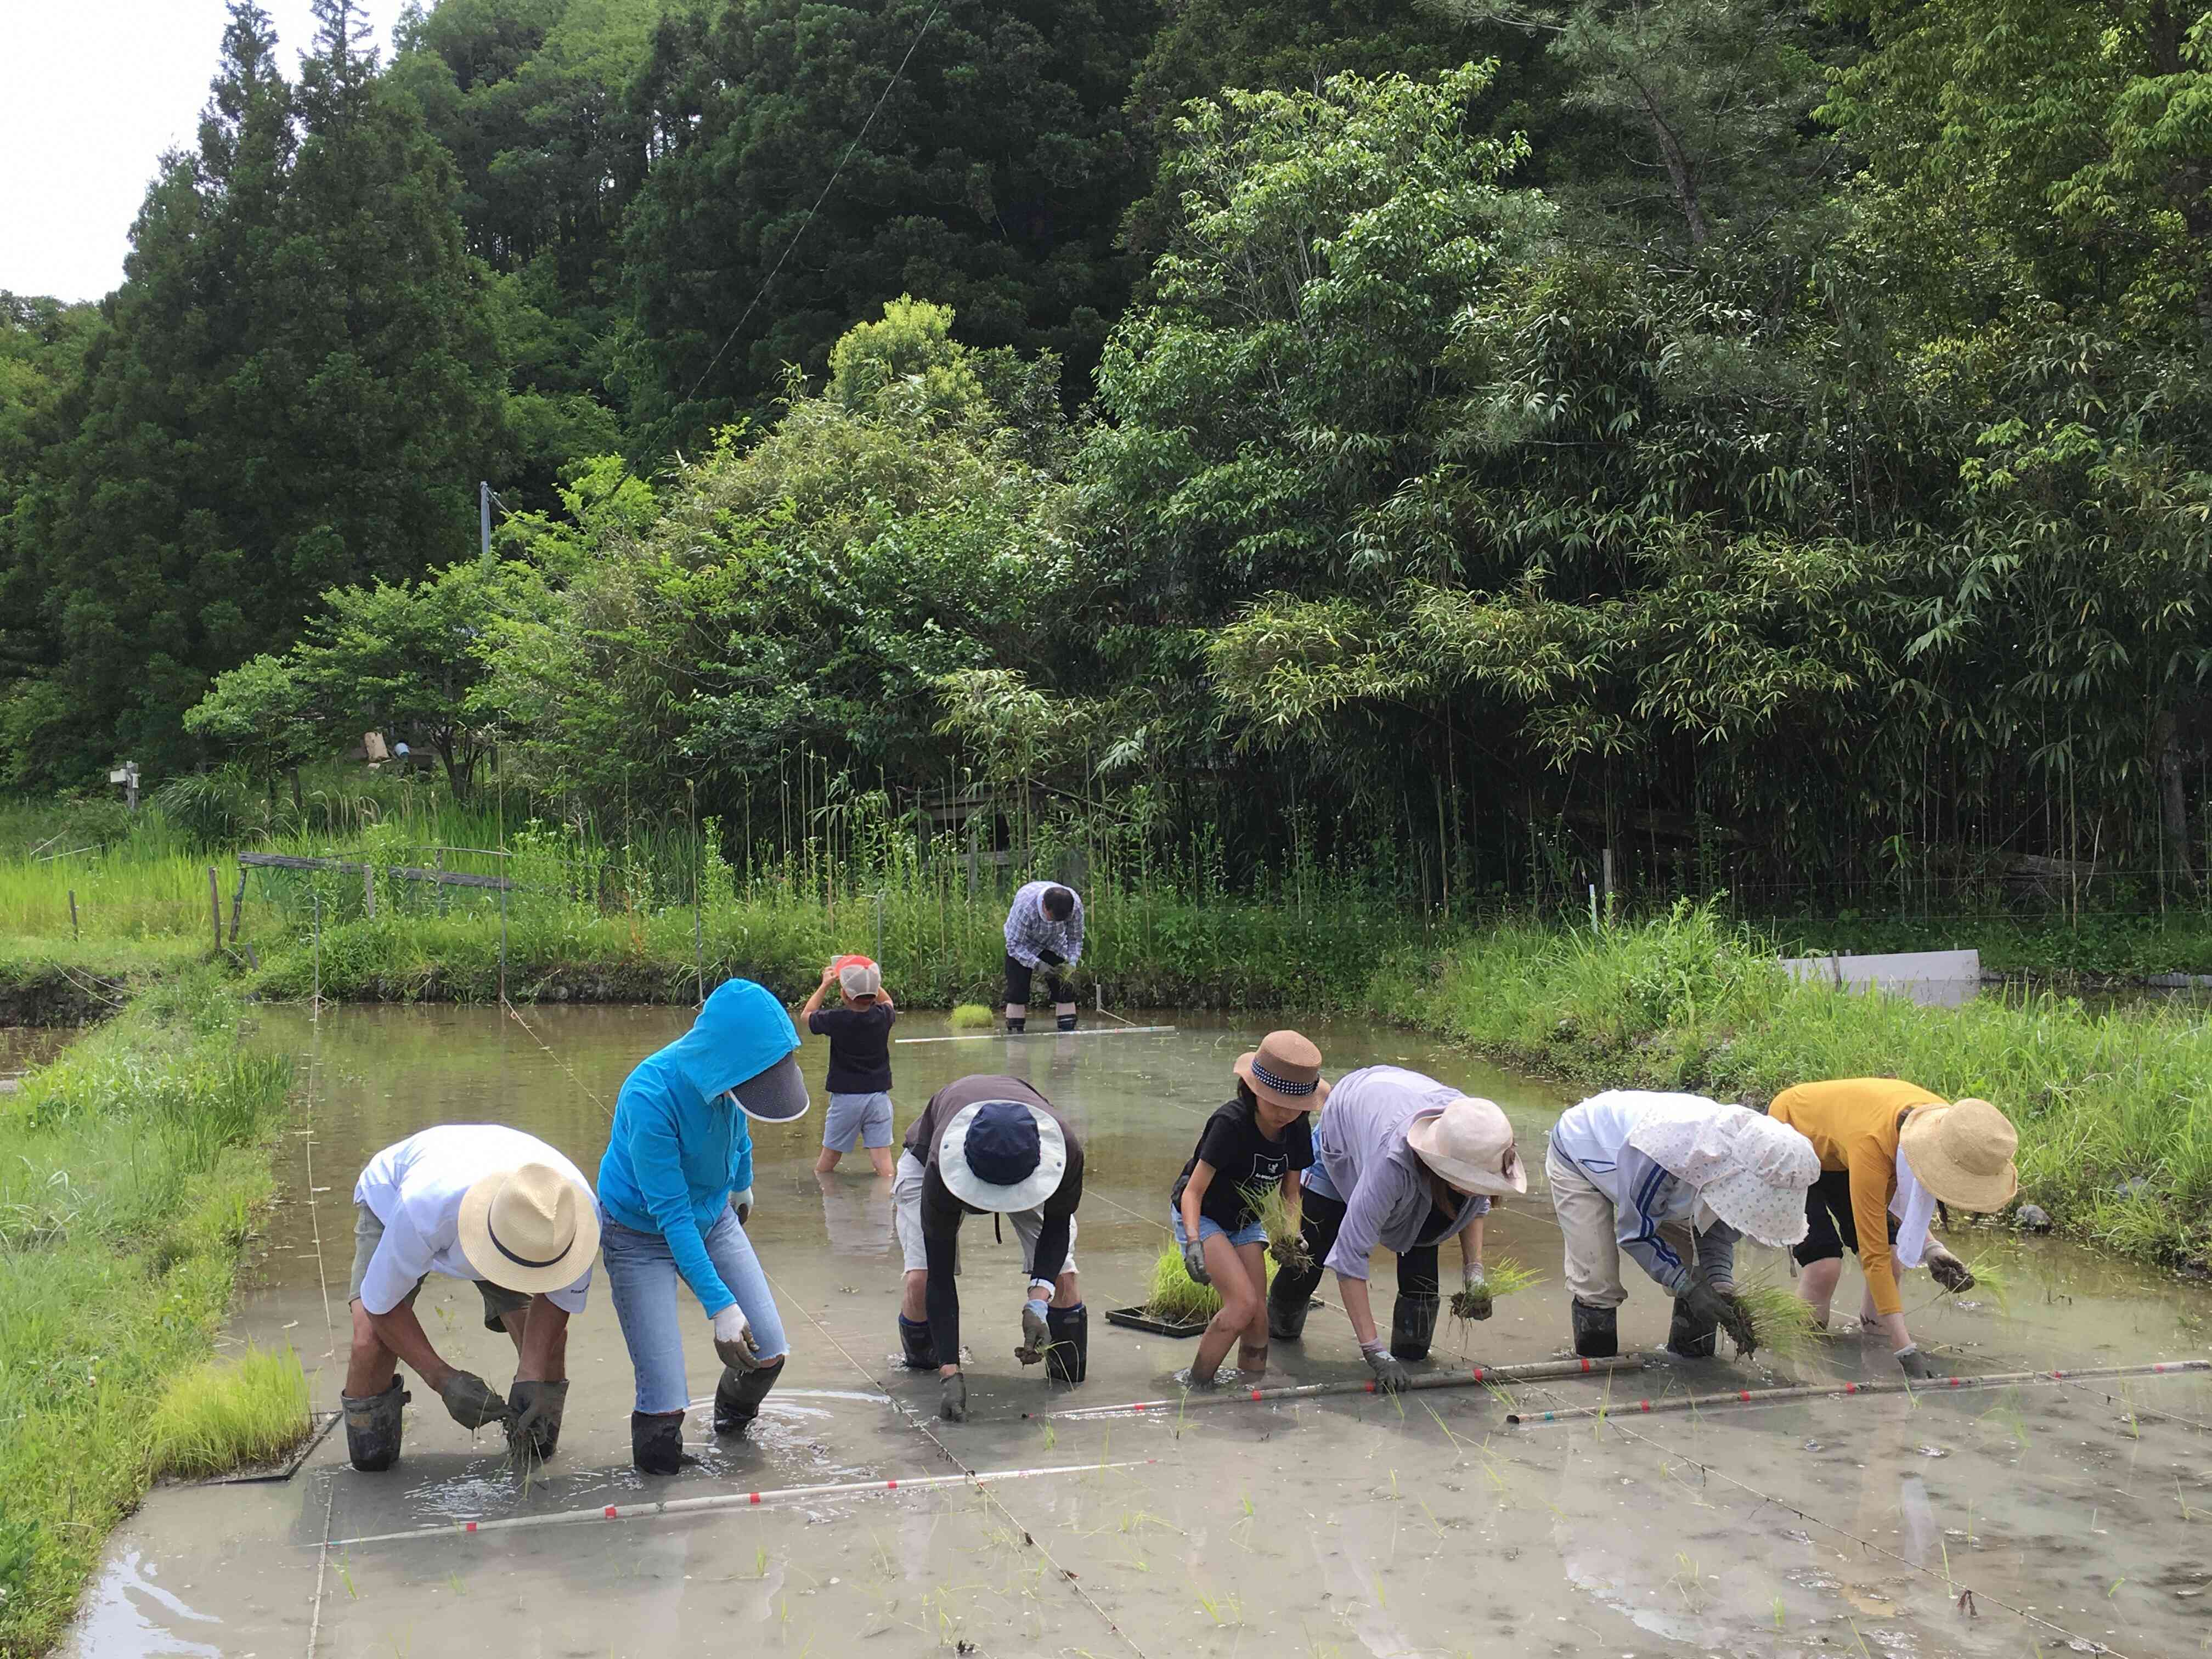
x: 676, y: 1188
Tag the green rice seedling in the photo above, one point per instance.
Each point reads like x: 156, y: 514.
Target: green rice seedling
x: 1772, y: 1317
x: 1991, y: 1283
x: 222, y: 1416
x: 1176, y: 1295
x: 971, y: 1017
x: 1504, y: 1276
x: 1286, y: 1245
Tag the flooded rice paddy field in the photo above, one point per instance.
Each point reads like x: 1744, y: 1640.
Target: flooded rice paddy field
x: 2036, y: 1520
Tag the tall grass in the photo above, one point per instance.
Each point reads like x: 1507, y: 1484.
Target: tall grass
x: 130, y: 1170
x: 2114, y: 1109
x: 228, y: 1413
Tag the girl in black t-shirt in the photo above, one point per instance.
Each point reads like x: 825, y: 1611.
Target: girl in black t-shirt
x: 1254, y: 1142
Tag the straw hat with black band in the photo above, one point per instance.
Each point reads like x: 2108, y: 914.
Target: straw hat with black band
x: 1285, y: 1070
x: 530, y: 1230
x: 1963, y: 1153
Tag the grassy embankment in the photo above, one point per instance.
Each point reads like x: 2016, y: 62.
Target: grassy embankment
x: 131, y: 1169
x: 2114, y: 1109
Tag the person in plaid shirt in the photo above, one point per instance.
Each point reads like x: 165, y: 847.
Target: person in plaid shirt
x: 1044, y: 929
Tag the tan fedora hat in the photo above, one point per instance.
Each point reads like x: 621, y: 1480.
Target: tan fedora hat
x: 1470, y: 1144
x: 1963, y: 1153
x: 1285, y: 1070
x: 529, y: 1228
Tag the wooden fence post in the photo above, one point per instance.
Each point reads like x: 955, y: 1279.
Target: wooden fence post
x: 215, y: 906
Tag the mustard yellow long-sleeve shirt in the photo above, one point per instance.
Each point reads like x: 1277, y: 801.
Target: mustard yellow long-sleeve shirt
x: 1852, y: 1123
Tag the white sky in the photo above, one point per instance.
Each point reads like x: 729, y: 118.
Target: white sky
x: 91, y: 92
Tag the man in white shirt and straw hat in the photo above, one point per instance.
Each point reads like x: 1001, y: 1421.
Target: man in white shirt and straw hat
x: 486, y: 1203
x: 1404, y: 1161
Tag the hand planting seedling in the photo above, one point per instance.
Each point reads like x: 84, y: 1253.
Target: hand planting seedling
x: 1286, y: 1245
x: 1503, y: 1277
x: 1763, y: 1313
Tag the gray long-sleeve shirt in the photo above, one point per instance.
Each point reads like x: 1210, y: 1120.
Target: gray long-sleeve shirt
x: 1361, y: 1146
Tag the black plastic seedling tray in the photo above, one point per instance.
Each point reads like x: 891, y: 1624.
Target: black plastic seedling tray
x: 1137, y: 1319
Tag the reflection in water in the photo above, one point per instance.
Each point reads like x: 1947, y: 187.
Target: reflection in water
x: 856, y: 1214
x: 113, y: 1626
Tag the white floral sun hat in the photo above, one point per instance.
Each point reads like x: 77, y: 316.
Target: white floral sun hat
x: 1751, y: 1171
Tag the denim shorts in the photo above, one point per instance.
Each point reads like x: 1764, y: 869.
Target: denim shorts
x: 868, y: 1117
x: 1250, y: 1233
x: 642, y: 1281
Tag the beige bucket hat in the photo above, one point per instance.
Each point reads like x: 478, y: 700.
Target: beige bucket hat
x: 1284, y: 1069
x: 529, y: 1228
x: 1470, y: 1144
x: 1963, y: 1153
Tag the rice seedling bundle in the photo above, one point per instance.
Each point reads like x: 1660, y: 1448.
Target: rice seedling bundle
x: 1269, y: 1205
x: 1771, y: 1315
x: 1176, y: 1295
x: 1504, y: 1276
x: 223, y: 1415
x: 971, y: 1017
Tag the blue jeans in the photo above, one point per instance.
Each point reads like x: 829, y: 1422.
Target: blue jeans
x: 1250, y: 1233
x: 641, y: 1279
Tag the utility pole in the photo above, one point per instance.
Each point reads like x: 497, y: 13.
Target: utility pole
x: 483, y: 520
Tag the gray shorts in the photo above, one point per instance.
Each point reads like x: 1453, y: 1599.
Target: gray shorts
x: 868, y: 1117
x: 369, y: 1232
x: 906, y: 1217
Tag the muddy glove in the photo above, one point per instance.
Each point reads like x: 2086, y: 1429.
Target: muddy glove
x: 743, y: 1204
x: 1474, y: 1300
x: 1194, y: 1263
x: 1701, y: 1303
x: 1947, y: 1270
x: 1037, y: 1335
x: 952, y: 1404
x: 733, y: 1340
x: 470, y: 1402
x: 1390, y: 1373
x: 1916, y: 1364
x: 535, y: 1425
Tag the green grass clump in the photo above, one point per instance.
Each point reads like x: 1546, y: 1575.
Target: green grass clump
x: 972, y: 1017
x: 225, y: 1414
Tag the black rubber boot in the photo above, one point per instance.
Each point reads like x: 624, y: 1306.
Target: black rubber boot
x: 541, y: 1439
x: 1016, y: 1027
x: 1289, y: 1301
x: 656, y: 1442
x: 1690, y: 1336
x: 372, y: 1426
x: 1597, y: 1331
x: 738, y: 1397
x: 916, y: 1352
x: 1413, y: 1325
x: 1068, y: 1358
x: 1064, y: 1021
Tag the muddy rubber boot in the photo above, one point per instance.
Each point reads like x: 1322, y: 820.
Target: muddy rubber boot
x: 533, y: 1431
x: 656, y: 1443
x: 1064, y: 1022
x: 1068, y: 1358
x: 738, y: 1397
x: 1691, y: 1337
x: 916, y: 1352
x: 372, y: 1426
x: 1288, y: 1303
x: 1597, y: 1332
x: 1413, y: 1325
x: 1016, y: 1027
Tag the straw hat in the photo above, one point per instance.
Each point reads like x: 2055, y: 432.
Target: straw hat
x: 1286, y: 1070
x: 1002, y: 1155
x: 529, y: 1228
x: 1470, y: 1144
x: 1963, y: 1153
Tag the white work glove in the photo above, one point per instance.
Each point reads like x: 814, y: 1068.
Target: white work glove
x: 1037, y: 1335
x: 743, y: 1204
x: 1471, y: 1274
x: 733, y: 1340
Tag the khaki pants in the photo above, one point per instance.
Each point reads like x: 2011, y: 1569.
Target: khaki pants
x: 1592, y: 1231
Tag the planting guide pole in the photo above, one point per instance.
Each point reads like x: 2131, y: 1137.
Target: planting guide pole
x: 1481, y: 1375
x: 1846, y: 1390
x: 1018, y: 1036
x: 729, y: 1500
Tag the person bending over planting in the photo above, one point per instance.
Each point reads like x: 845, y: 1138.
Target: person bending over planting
x: 995, y: 1145
x: 1044, y: 929
x: 677, y: 1184
x: 1674, y: 1180
x: 477, y: 1202
x: 1890, y: 1151
x: 1258, y: 1141
x: 860, y: 1079
x: 1405, y: 1160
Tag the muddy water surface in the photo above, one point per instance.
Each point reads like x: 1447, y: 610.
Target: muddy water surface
x: 2034, y: 1519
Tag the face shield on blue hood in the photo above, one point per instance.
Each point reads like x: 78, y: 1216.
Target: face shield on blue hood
x: 740, y: 1033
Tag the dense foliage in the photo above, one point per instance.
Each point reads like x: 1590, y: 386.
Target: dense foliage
x: 1769, y: 443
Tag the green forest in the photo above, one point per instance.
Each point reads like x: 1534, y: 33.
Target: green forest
x: 1770, y: 445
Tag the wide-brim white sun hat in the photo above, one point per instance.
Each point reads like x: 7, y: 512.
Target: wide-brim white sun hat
x: 1470, y: 1144
x: 530, y: 1229
x: 988, y: 1139
x: 1751, y: 1171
